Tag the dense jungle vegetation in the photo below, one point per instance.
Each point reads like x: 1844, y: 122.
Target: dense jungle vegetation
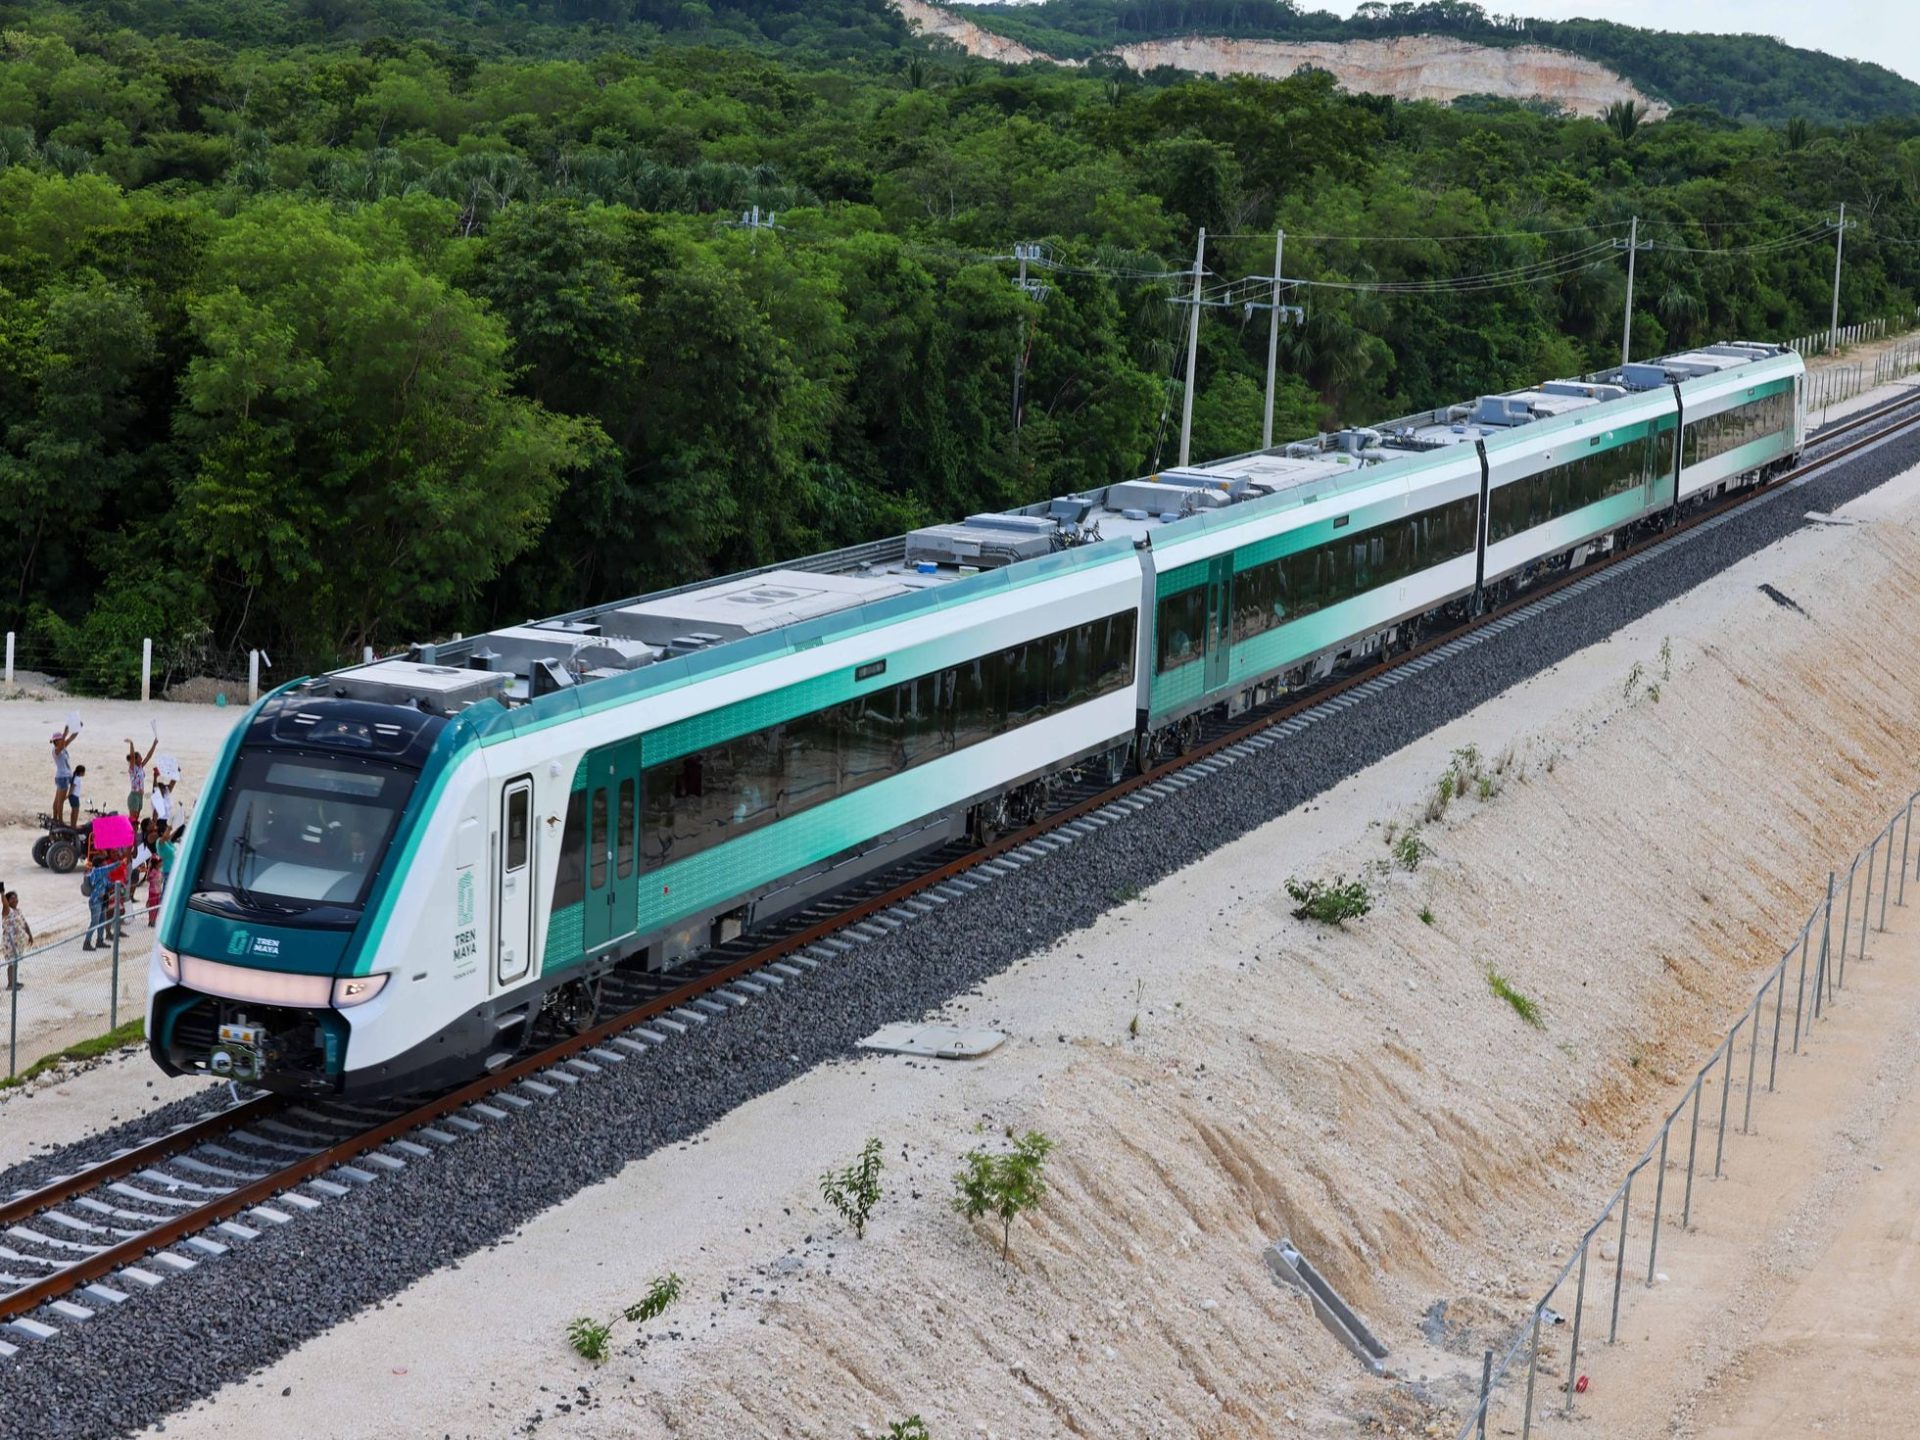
x: 314, y: 334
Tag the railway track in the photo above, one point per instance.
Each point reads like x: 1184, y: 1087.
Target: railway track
x: 94, y: 1239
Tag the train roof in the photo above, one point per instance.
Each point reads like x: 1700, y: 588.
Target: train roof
x: 675, y: 634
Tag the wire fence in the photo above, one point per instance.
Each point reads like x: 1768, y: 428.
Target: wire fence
x: 1818, y: 955
x: 1823, y: 342
x: 141, y: 673
x: 47, y: 986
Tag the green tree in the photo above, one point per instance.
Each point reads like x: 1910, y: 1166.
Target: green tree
x: 1003, y: 1186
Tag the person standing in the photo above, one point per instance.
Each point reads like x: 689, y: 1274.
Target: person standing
x: 73, y: 795
x: 15, y: 936
x: 162, y: 800
x: 99, y: 881
x: 137, y: 776
x: 62, y: 767
x: 158, y: 870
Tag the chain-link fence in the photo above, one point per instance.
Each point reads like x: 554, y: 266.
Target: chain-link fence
x: 58, y: 991
x: 1779, y: 1017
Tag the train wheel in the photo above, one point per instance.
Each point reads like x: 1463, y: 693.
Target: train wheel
x: 574, y: 1006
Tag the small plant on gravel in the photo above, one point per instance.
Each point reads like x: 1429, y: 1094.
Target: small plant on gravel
x: 1653, y: 692
x: 1003, y: 1186
x: 1633, y: 680
x: 589, y: 1338
x: 1523, y: 1006
x: 1441, y: 798
x: 1489, y: 787
x: 1329, y: 902
x: 911, y: 1428
x: 1666, y: 657
x: 662, y: 1293
x: 1466, y: 767
x: 1133, y: 1025
x: 1410, y: 850
x: 855, y: 1190
x: 1426, y: 914
x: 1125, y: 894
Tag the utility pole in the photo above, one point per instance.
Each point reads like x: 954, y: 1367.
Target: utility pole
x: 1193, y: 351
x: 1273, y: 338
x: 1634, y: 247
x: 1839, y: 245
x: 1033, y: 290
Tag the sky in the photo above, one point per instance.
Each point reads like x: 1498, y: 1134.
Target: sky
x: 1886, y: 32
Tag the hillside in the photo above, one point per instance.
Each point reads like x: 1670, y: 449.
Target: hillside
x: 1744, y: 77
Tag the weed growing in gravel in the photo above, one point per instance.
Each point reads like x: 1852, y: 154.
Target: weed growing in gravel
x: 1666, y: 657
x: 855, y: 1190
x: 1633, y: 680
x: 1426, y: 914
x: 1441, y: 798
x: 1489, y: 787
x: 1410, y: 850
x: 1522, y: 1005
x: 911, y: 1428
x: 1133, y: 1025
x: 1329, y: 902
x: 589, y: 1338
x: 1003, y: 1186
x: 1124, y: 894
x: 662, y: 1293
x: 1653, y: 692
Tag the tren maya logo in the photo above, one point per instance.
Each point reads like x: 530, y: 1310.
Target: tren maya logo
x: 238, y: 941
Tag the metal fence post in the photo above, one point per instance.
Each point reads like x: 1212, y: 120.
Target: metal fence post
x: 1659, y: 1201
x: 119, y: 897
x: 1826, y: 947
x: 1753, y: 1055
x: 1886, y: 878
x: 1726, y: 1091
x: 1486, y: 1387
x: 13, y: 1029
x: 1620, y: 1257
x: 1800, y: 986
x: 1839, y: 980
x: 1579, y: 1304
x: 1693, y: 1142
x: 1780, y: 1004
x: 1533, y: 1369
x: 1906, y: 850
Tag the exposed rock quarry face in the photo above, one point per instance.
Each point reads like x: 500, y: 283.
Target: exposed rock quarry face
x: 1407, y: 67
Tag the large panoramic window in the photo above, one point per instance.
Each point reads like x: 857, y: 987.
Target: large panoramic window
x: 1573, y: 485
x: 1272, y: 594
x: 1730, y: 429
x: 733, y: 788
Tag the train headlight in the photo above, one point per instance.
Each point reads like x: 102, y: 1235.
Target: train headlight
x: 352, y: 990
x: 169, y: 961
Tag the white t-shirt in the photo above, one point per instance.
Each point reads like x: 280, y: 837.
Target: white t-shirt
x: 162, y: 803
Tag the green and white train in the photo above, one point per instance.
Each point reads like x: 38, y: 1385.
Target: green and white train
x: 403, y: 867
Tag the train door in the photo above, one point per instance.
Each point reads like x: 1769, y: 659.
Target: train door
x: 613, y: 845
x: 513, y: 885
x: 1219, y: 619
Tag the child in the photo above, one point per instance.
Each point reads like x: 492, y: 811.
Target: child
x: 15, y: 936
x: 62, y: 768
x: 73, y: 795
x: 158, y: 870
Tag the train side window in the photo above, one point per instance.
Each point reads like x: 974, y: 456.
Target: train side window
x: 597, y: 861
x: 1180, y: 628
x: 624, y: 840
x: 519, y: 806
x: 571, y: 872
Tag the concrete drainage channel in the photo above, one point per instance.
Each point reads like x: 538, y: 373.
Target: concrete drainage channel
x: 830, y: 999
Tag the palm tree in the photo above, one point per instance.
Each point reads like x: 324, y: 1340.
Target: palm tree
x: 1799, y: 132
x: 1623, y: 118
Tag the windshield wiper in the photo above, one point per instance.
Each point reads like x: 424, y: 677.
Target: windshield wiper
x: 244, y: 853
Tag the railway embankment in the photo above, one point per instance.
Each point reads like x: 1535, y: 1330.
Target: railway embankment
x: 1659, y: 808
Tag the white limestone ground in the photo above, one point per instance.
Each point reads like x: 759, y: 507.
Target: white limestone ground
x: 1360, y: 1090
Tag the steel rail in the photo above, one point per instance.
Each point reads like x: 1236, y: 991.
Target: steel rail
x: 172, y: 1231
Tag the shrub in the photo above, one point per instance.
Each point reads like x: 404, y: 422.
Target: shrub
x: 662, y: 1293
x: 855, y: 1190
x: 1330, y: 903
x: 1426, y: 914
x: 589, y: 1338
x: 1003, y: 1186
x: 911, y: 1428
x: 1522, y: 1005
x: 1410, y: 850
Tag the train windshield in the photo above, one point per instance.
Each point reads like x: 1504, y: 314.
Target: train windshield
x: 302, y: 831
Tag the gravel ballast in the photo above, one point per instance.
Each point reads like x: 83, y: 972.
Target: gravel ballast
x: 134, y: 1364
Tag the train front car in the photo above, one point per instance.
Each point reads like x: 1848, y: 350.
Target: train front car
x: 283, y: 955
